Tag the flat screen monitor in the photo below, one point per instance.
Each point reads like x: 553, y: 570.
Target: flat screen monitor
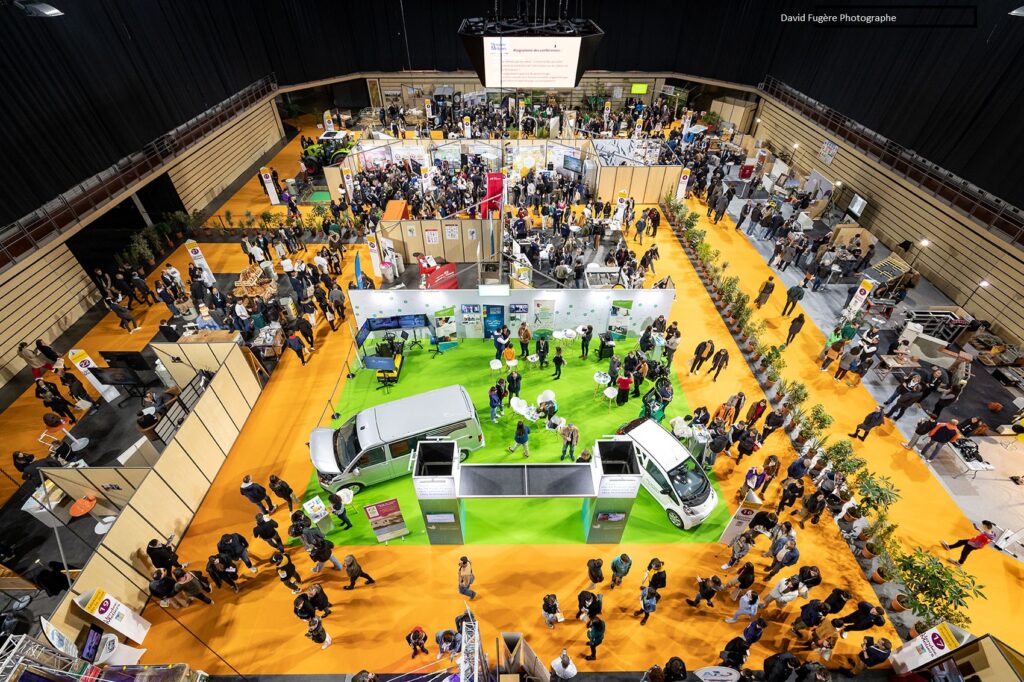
x: 572, y: 163
x: 91, y: 646
x: 412, y: 321
x: 362, y: 334
x: 519, y: 308
x: 857, y: 206
x: 117, y: 376
x: 382, y: 323
x: 379, y: 362
x: 532, y: 62
x: 126, y: 359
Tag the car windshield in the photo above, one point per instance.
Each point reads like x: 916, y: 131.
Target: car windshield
x: 346, y: 443
x: 689, y: 480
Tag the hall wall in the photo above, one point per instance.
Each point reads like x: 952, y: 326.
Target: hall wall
x: 40, y: 301
x: 961, y: 253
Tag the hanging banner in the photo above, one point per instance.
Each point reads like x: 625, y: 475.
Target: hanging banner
x: 328, y: 121
x: 200, y: 260
x: 268, y: 184
x: 106, y: 609
x: 543, y: 316
x: 740, y: 520
x: 495, y: 185
x: 857, y: 302
x: 445, y: 328
x: 494, y: 319
x: 522, y: 110
x: 684, y: 180
x: 80, y: 359
x: 386, y: 520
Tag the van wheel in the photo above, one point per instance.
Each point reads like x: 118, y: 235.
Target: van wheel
x: 463, y: 455
x: 356, y: 488
x: 676, y: 520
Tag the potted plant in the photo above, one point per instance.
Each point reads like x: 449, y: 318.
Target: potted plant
x: 742, y: 313
x: 179, y: 223
x: 758, y: 348
x: 727, y: 292
x: 227, y: 224
x: 140, y: 250
x: 885, y: 563
x: 196, y: 220
x: 248, y: 220
x: 780, y: 390
x: 266, y: 218
x: 319, y: 212
x: 877, y: 535
x: 152, y: 236
x: 875, y: 494
x: 934, y: 590
x: 797, y: 394
x: 769, y: 380
x: 165, y: 231
x: 751, y: 333
x: 818, y: 419
x: 836, y: 456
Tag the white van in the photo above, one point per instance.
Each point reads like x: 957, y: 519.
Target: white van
x: 376, y: 444
x: 671, y: 474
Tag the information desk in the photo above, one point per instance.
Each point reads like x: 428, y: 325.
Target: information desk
x: 526, y: 480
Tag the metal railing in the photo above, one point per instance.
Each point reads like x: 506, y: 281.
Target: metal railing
x: 991, y: 212
x: 20, y: 238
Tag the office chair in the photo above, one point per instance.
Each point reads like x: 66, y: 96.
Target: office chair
x: 436, y: 350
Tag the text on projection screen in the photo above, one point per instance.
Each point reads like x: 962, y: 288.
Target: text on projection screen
x: 531, y: 62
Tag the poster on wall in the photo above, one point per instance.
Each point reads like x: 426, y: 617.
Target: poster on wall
x: 431, y: 235
x: 472, y: 323
x: 518, y: 312
x: 451, y: 231
x: 386, y: 520
x: 621, y: 310
x: 444, y: 324
x: 828, y: 152
x: 494, y: 319
x: 543, y: 316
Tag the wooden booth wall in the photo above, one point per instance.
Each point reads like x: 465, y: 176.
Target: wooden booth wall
x: 57, y: 291
x: 961, y: 252
x: 646, y: 184
x: 457, y: 240
x: 167, y: 496
x: 204, y: 171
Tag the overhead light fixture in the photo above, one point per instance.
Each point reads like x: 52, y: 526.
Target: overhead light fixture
x: 757, y: 120
x: 924, y: 242
x: 983, y: 283
x: 796, y: 145
x: 1019, y: 12
x: 38, y: 9
x: 839, y: 183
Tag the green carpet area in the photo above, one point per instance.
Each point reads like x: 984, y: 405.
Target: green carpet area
x: 514, y: 521
x: 319, y: 198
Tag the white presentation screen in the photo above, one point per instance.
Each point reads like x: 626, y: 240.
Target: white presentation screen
x: 531, y: 62
x: 857, y: 205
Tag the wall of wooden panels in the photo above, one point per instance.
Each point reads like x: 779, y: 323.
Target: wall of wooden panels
x: 41, y: 301
x: 207, y: 169
x: 646, y: 184
x: 414, y: 236
x: 961, y: 253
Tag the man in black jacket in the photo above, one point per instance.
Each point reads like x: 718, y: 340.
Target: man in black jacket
x: 257, y: 494
x: 872, y: 420
x: 266, y: 530
x: 779, y: 667
x: 162, y: 555
x: 872, y: 653
x: 774, y: 420
x: 703, y: 351
x: 864, y: 617
x: 236, y: 548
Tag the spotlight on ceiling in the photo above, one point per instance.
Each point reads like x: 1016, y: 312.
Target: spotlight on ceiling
x: 37, y: 9
x: 1019, y: 12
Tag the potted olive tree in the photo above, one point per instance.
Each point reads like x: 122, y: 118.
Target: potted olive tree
x: 934, y: 590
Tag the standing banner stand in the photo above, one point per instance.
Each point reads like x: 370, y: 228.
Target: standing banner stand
x: 268, y: 184
x: 386, y: 520
x: 84, y: 363
x: 199, y: 259
x: 740, y: 520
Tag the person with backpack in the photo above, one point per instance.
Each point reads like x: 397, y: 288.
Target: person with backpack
x: 236, y: 548
x: 257, y: 494
x: 320, y: 550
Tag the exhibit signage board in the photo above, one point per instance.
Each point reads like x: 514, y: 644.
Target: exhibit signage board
x: 116, y: 615
x: 58, y: 639
x: 328, y: 121
x: 828, y: 152
x: 350, y: 188
x: 196, y: 254
x: 434, y: 487
x: 531, y: 61
x: 857, y: 302
x: 444, y: 324
x: 619, y: 486
x: 740, y: 520
x: 684, y: 180
x: 926, y: 647
x: 268, y: 184
x: 80, y: 359
x: 494, y: 319
x: 543, y: 316
x: 315, y: 509
x: 386, y: 520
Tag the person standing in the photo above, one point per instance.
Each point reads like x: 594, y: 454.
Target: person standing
x: 222, y: 570
x: 558, y: 362
x: 864, y: 617
x: 872, y: 652
x: 188, y: 583
x: 754, y: 631
x: 521, y: 438
x: 595, y: 572
x: 748, y: 605
x: 562, y: 668
x: 318, y: 599
x: 570, y: 437
x: 466, y: 578
x: 320, y: 550
x: 494, y: 400
x: 774, y: 421
x: 792, y: 490
x: 257, y: 494
x: 316, y: 632
x: 672, y: 341
x: 595, y: 636
x: 585, y: 338
x: 525, y: 336
x: 283, y: 490
x: 338, y: 509
x: 740, y: 547
x: 354, y: 572
x: 873, y: 419
x: 286, y: 572
x: 787, y: 556
x: 550, y: 610
x: 793, y: 296
x: 513, y: 384
x: 707, y: 588
x: 719, y: 362
x: 703, y: 351
x: 765, y: 292
x: 542, y: 351
x: 620, y: 569
x: 904, y: 402
x: 266, y: 530
x: 35, y: 360
x: 163, y: 555
x: 794, y: 328
x: 812, y: 508
x: 784, y: 591
x: 811, y: 616
x: 417, y: 641
x: 943, y: 433
x: 448, y: 642
x: 649, y: 598
x: 236, y: 548
x: 980, y: 541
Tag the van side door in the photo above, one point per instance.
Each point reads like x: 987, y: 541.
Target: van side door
x: 373, y: 466
x: 400, y: 454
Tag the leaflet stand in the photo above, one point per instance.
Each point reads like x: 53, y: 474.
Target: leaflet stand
x: 435, y: 469
x: 618, y: 481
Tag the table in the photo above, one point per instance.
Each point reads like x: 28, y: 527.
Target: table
x: 570, y: 335
x: 601, y: 379
x: 82, y: 506
x: 559, y: 336
x: 895, y: 364
x: 970, y: 467
x: 270, y: 341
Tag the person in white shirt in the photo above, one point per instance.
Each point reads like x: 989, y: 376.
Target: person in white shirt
x: 243, y: 316
x: 174, y: 274
x: 563, y: 668
x: 320, y: 262
x: 257, y: 253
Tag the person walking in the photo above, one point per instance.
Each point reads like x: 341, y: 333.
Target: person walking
x: 864, y: 617
x: 222, y: 570
x: 793, y: 296
x: 784, y: 558
x: 703, y: 351
x: 318, y: 599
x: 354, y: 571
x: 774, y: 421
x: 741, y: 582
x: 266, y: 530
x: 923, y: 427
x: 904, y: 402
x: 521, y: 438
x: 236, y: 548
x: 295, y: 344
x: 740, y: 548
x: 189, y: 584
x: 570, y: 437
x: 162, y: 588
x: 812, y: 508
x: 595, y: 636
x: 466, y: 578
x: 792, y: 490
x: 320, y: 549
x: 765, y: 292
x: 754, y: 631
x: 257, y: 494
x: 417, y: 641
x: 620, y: 569
x: 542, y: 352
x: 748, y: 605
x: 988, y: 534
x: 707, y: 588
x: 558, y: 362
x: 873, y: 419
x: 719, y: 362
x: 942, y: 434
x: 550, y: 610
x: 283, y: 490
x: 316, y: 632
x: 672, y: 341
x: 784, y: 591
x: 595, y: 572
x: 286, y: 571
x: 811, y: 616
x: 794, y: 328
x: 649, y: 598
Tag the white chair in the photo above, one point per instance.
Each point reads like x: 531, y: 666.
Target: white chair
x: 559, y: 336
x: 546, y: 397
x: 495, y: 366
x: 512, y: 364
x: 610, y: 394
x: 570, y: 336
x: 520, y: 407
x: 533, y: 360
x: 556, y: 423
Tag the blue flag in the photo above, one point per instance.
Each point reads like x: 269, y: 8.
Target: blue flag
x: 359, y: 273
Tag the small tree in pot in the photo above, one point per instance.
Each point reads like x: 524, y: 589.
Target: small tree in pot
x: 878, y: 536
x: 742, y: 314
x: 738, y: 304
x: 797, y: 394
x: 818, y: 419
x: 875, y: 494
x: 934, y: 590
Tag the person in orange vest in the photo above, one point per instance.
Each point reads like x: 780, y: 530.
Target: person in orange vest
x: 944, y: 432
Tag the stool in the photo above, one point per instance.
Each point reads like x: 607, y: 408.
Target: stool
x: 601, y: 379
x: 104, y: 525
x: 570, y: 336
x: 82, y: 506
x: 559, y: 336
x: 533, y: 360
x: 495, y: 366
x: 610, y: 394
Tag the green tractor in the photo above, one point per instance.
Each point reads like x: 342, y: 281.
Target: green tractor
x: 330, y: 148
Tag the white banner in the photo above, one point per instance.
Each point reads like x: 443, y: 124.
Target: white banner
x: 328, y: 121
x: 108, y: 610
x: 200, y: 260
x: 350, y: 188
x: 268, y: 184
x: 684, y: 180
x: 857, y: 302
x: 84, y: 363
x: 740, y: 520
